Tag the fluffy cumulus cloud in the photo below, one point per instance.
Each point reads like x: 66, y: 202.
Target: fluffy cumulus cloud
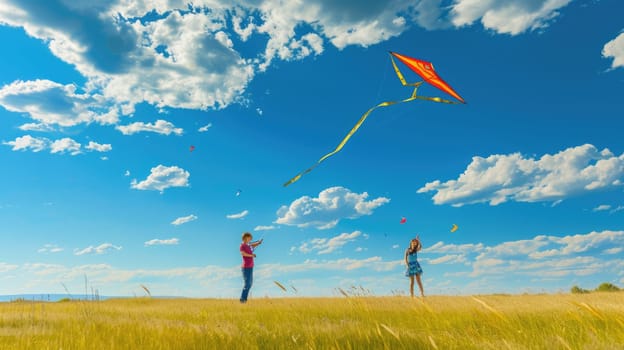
x: 236, y: 216
x: 51, y: 103
x: 28, y: 142
x: 155, y: 241
x: 163, y: 177
x: 194, y: 55
x: 183, y: 220
x: 65, y: 145
x: 506, y: 16
x: 327, y: 245
x: 545, y: 256
x: 160, y: 127
x: 615, y: 49
x: 99, y: 147
x: 326, y: 210
x: 501, y: 178
x: 60, y: 146
x: 101, y: 249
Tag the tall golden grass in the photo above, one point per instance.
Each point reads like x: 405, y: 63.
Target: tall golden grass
x: 562, y: 321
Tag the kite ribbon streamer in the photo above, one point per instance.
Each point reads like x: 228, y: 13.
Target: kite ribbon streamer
x: 365, y: 115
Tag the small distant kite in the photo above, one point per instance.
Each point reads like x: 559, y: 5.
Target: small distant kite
x: 425, y: 70
x: 403, y: 220
x: 280, y: 285
x: 454, y: 228
x: 192, y: 148
x: 238, y: 192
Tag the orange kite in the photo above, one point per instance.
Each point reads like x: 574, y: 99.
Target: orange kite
x: 425, y: 70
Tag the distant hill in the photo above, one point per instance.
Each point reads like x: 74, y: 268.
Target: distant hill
x: 57, y: 297
x: 48, y: 297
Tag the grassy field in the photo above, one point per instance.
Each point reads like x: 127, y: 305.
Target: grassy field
x: 563, y: 321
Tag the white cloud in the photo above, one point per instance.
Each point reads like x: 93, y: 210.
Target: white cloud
x: 615, y: 49
x: 50, y: 248
x: 430, y: 14
x: 51, y: 103
x: 127, y: 173
x: 94, y: 146
x: 326, y: 210
x: 615, y: 210
x: 541, y: 256
x: 240, y: 215
x: 500, y: 178
x: 28, y: 142
x: 160, y: 127
x: 602, y: 207
x: 170, y: 241
x: 448, y: 259
x: 65, y: 145
x: 506, y: 16
x: 395, y: 246
x: 176, y: 54
x: 186, y: 280
x: 614, y: 250
x: 60, y: 146
x: 5, y: 267
x: 36, y: 127
x: 374, y: 263
x: 104, y: 158
x: 328, y: 245
x: 440, y: 247
x: 163, y: 177
x: 264, y: 228
x: 181, y: 59
x: 568, y: 255
x: 101, y: 249
x: 259, y: 111
x: 183, y: 220
x: 205, y: 127
x: 185, y: 56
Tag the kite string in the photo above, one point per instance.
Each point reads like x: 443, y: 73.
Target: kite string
x: 365, y: 115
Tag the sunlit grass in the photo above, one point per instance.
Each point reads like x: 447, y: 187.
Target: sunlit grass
x: 563, y: 321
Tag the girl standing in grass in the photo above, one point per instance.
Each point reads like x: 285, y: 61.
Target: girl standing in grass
x: 413, y: 267
x: 246, y: 250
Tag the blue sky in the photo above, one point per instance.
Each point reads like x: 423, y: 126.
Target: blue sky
x: 102, y: 102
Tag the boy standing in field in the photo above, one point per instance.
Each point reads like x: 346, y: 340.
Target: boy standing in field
x: 246, y: 250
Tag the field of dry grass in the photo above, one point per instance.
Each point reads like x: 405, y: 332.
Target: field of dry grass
x: 562, y: 321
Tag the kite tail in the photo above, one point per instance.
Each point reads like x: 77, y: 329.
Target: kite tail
x: 365, y: 115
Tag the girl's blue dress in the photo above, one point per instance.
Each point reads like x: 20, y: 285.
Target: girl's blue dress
x: 413, y: 267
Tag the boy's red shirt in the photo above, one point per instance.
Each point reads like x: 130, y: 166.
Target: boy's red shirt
x: 247, y: 260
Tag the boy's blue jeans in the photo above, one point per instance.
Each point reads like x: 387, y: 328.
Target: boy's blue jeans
x: 247, y: 279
